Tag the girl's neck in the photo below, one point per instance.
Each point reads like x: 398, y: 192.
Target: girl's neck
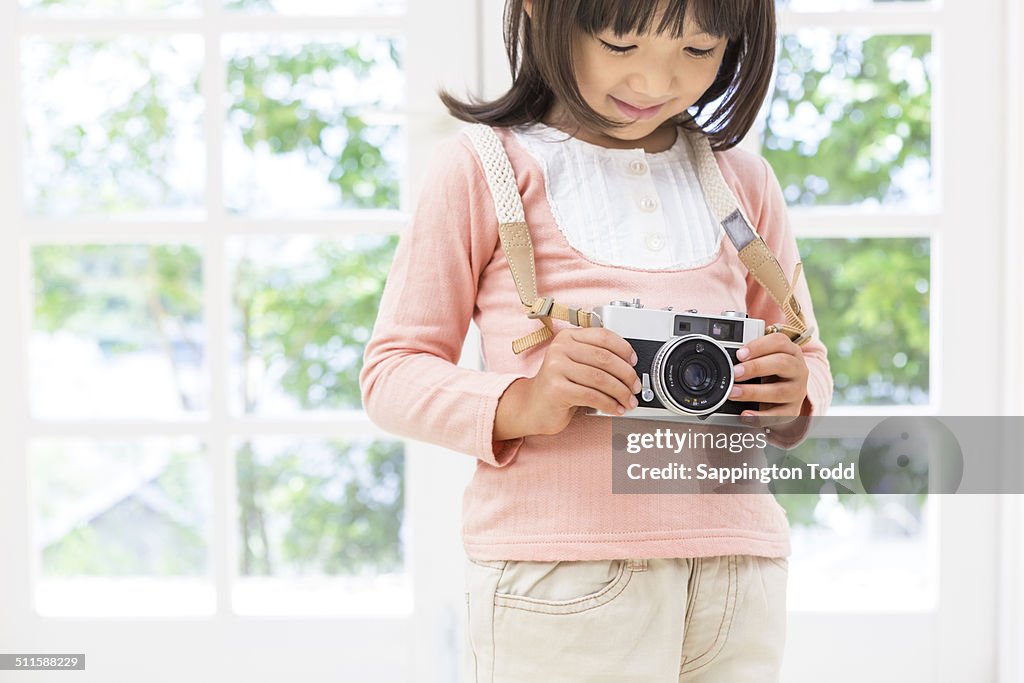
x: 659, y: 140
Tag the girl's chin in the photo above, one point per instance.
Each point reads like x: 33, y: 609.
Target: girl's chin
x: 637, y: 129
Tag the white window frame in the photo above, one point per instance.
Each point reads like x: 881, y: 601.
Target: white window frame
x: 421, y: 645
x: 1011, y: 616
x: 933, y: 645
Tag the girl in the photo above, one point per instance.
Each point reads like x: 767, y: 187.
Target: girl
x: 567, y: 581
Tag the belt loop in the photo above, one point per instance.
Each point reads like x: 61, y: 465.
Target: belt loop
x: 637, y: 565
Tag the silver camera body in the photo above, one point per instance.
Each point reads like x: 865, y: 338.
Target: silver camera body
x: 685, y: 360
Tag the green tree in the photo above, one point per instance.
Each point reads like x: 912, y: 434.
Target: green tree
x: 342, y: 503
x: 849, y: 122
x: 126, y: 298
x: 871, y: 301
x: 268, y: 104
x: 846, y: 118
x: 307, y: 324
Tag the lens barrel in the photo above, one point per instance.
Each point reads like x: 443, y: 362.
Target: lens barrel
x: 692, y: 374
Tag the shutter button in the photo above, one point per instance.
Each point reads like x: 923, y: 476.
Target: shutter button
x: 655, y: 241
x: 637, y: 167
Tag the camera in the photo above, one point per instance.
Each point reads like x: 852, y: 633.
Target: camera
x: 684, y: 360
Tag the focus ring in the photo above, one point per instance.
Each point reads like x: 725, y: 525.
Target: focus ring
x: 658, y: 375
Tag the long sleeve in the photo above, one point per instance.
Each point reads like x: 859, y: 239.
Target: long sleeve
x: 410, y: 382
x: 774, y: 227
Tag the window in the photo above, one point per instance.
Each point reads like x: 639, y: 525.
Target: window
x: 864, y: 130
x: 849, y: 130
x: 200, y: 210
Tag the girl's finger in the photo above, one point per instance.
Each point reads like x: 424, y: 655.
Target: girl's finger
x: 773, y: 392
x: 771, y: 343
x: 604, y: 338
x: 608, y: 362
x: 774, y: 415
x: 585, y: 396
x: 601, y: 381
x: 780, y: 364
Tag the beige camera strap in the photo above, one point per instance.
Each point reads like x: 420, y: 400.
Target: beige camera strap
x: 516, y: 241
x: 518, y: 246
x: 752, y: 250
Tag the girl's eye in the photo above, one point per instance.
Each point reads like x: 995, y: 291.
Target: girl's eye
x: 616, y: 48
x: 700, y: 54
x: 622, y: 49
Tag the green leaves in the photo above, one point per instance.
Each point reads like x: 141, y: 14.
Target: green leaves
x: 849, y: 112
x: 321, y: 508
x: 277, y: 101
x: 128, y: 296
x: 109, y: 124
x: 871, y: 299
x: 306, y: 321
x: 849, y: 123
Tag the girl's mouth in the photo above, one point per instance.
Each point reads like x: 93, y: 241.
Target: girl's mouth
x: 634, y: 113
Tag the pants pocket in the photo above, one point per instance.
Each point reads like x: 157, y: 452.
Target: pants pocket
x: 567, y: 622
x: 568, y: 587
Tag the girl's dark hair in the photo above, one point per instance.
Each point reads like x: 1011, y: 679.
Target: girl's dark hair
x: 539, y: 54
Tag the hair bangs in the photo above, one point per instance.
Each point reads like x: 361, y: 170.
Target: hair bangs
x: 726, y: 18
x: 540, y: 57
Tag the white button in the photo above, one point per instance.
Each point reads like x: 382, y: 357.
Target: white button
x: 655, y: 241
x: 637, y: 167
x: 648, y: 204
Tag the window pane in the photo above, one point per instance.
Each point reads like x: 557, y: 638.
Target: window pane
x: 871, y: 299
x: 120, y: 508
x: 303, y: 312
x: 121, y: 527
x: 320, y: 520
x: 310, y: 507
x: 313, y: 126
x: 849, y: 122
x: 113, y: 126
x: 117, y: 331
x: 93, y: 7
x: 878, y: 547
x: 317, y: 6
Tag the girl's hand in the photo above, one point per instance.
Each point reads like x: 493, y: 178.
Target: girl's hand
x: 590, y: 367
x: 777, y: 358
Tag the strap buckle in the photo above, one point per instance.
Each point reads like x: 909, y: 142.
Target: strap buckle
x: 541, y: 308
x: 789, y: 331
x: 805, y: 337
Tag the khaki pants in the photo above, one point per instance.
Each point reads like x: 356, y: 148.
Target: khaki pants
x: 693, y: 620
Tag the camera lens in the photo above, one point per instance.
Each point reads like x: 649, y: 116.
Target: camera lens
x: 692, y: 374
x: 697, y: 376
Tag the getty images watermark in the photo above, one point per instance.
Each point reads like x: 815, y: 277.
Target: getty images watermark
x: 835, y: 454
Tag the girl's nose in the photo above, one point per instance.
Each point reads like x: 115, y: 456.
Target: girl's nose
x: 653, y: 83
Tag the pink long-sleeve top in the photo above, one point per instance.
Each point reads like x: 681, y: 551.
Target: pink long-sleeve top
x: 545, y: 497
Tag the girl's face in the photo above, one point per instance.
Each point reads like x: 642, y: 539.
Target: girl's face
x: 643, y: 80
